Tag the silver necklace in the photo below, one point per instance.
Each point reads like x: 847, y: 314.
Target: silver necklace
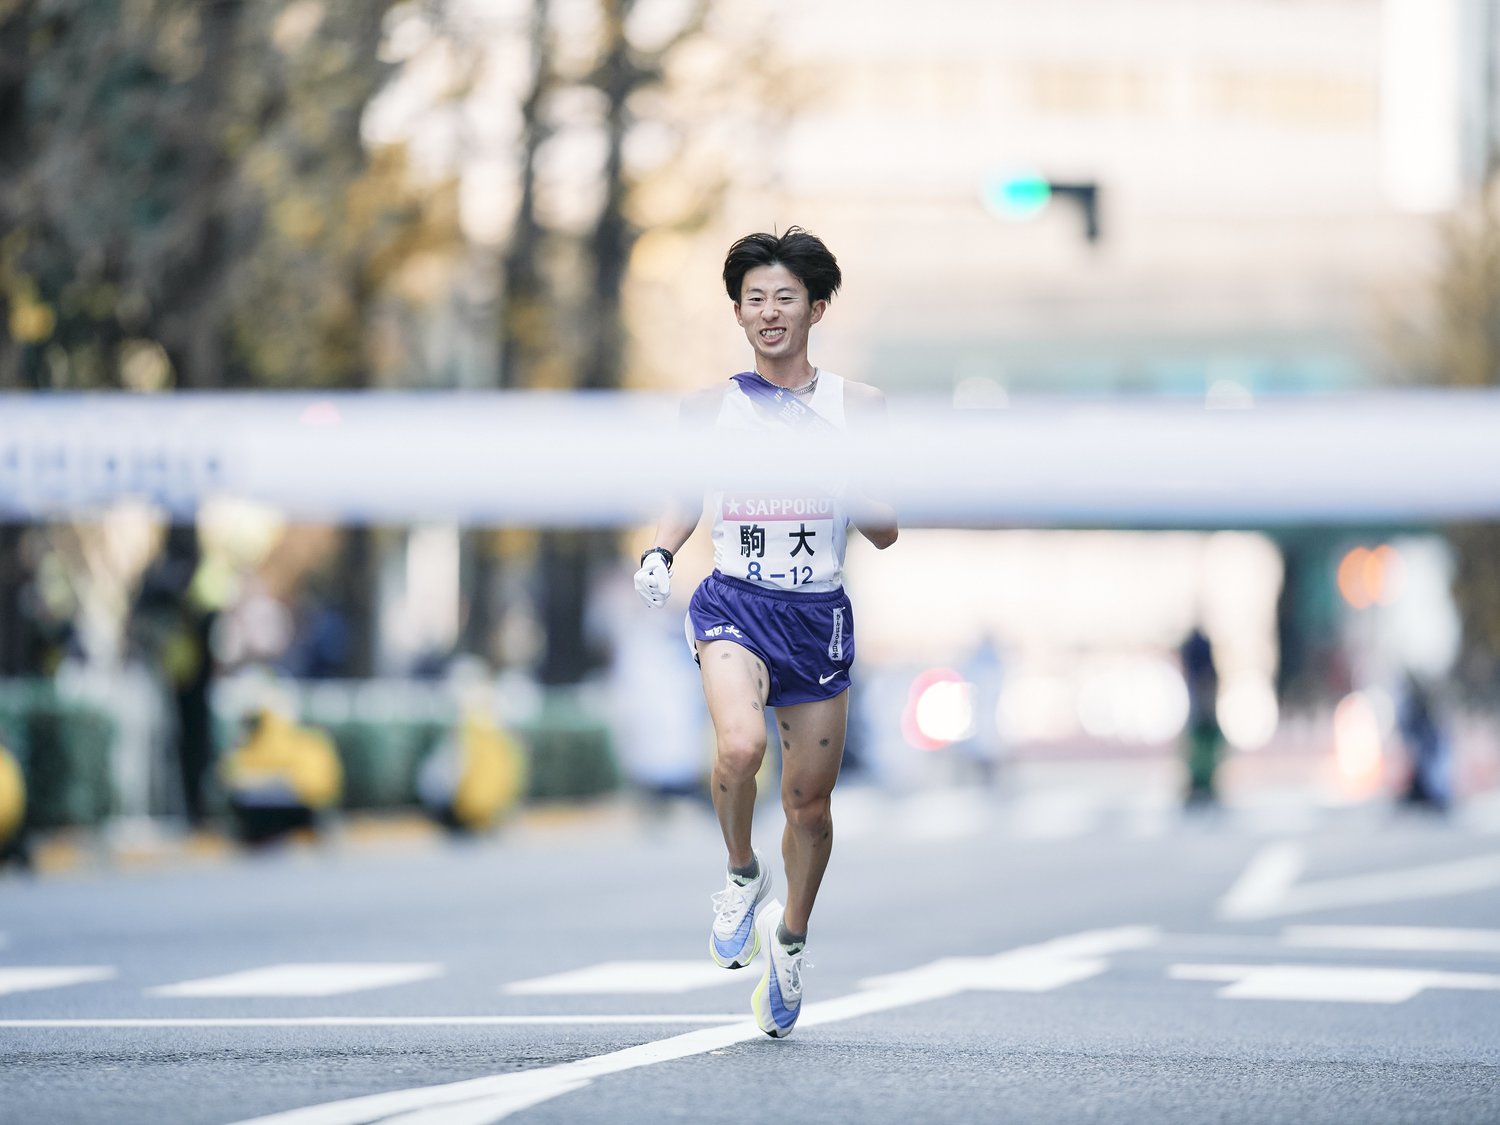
x: 808, y: 387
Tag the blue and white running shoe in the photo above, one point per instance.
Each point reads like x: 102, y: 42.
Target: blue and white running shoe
x: 778, y: 998
x: 734, y: 940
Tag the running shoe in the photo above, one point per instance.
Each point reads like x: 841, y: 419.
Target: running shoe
x: 778, y: 998
x: 734, y: 940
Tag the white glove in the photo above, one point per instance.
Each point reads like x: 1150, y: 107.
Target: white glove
x: 653, y: 582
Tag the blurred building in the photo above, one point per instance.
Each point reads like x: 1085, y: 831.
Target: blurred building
x: 1267, y: 176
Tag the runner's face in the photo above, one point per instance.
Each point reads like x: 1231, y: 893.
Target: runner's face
x: 776, y: 314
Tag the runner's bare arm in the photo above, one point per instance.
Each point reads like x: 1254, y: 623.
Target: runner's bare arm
x: 864, y: 406
x: 680, y: 519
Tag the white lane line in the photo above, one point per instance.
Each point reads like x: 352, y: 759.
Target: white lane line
x: 375, y: 1021
x: 332, y: 979
x: 1328, y: 982
x: 32, y: 979
x: 479, y: 1101
x: 1265, y: 882
x: 1438, y: 880
x: 624, y: 977
x: 1423, y: 939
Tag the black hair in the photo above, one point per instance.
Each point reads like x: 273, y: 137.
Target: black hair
x: 803, y: 254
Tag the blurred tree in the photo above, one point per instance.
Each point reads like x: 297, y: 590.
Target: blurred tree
x: 561, y: 321
x: 177, y: 178
x: 1459, y: 346
x: 187, y: 200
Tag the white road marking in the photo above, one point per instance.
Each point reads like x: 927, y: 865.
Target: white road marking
x: 1035, y: 968
x: 1438, y: 880
x: 1328, y: 982
x: 32, y: 979
x: 374, y: 1021
x: 621, y: 977
x: 1424, y: 939
x: 332, y: 979
x: 1265, y: 882
x: 479, y: 1101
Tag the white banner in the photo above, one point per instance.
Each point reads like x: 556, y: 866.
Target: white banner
x: 552, y: 459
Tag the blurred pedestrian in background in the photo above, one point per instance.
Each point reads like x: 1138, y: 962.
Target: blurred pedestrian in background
x: 1428, y: 748
x: 170, y: 629
x: 1204, y: 740
x: 983, y: 750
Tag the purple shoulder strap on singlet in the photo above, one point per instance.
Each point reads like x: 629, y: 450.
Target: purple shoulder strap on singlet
x: 778, y: 403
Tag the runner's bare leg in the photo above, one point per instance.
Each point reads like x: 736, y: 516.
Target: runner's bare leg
x: 812, y: 748
x: 735, y: 684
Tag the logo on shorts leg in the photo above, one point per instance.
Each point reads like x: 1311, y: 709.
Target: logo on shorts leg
x: 723, y: 631
x: 836, y: 642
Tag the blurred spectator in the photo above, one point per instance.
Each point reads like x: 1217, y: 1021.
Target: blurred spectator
x: 1204, y: 739
x: 1428, y: 748
x: 474, y: 777
x: 982, y: 750
x: 171, y: 624
x: 12, y: 810
x: 321, y: 643
x: 281, y: 778
x: 656, y: 702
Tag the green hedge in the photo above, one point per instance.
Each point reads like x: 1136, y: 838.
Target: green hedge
x: 571, y: 754
x: 64, y: 747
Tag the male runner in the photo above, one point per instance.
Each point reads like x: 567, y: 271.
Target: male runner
x: 772, y: 625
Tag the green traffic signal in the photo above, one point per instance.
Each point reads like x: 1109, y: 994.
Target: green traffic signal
x: 1017, y: 196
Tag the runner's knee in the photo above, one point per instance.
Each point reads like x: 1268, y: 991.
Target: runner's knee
x: 740, y: 752
x: 808, y: 810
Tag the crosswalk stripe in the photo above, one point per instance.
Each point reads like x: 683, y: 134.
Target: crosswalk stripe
x: 622, y: 977
x: 1424, y: 939
x: 1264, y: 882
x: 332, y: 979
x: 32, y: 979
x: 1330, y: 982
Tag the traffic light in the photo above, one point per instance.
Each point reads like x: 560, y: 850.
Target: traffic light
x: 1018, y: 196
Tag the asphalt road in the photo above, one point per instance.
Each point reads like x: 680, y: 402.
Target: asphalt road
x: 969, y: 965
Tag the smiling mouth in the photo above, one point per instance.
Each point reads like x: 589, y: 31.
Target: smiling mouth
x: 770, y: 335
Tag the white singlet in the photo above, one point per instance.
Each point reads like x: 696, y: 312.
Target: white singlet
x: 792, y: 540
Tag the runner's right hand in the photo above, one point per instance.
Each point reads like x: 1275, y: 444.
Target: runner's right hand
x: 653, y: 582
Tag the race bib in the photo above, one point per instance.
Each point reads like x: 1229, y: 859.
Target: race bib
x: 785, y: 541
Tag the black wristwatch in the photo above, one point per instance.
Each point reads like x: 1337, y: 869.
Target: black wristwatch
x: 663, y: 552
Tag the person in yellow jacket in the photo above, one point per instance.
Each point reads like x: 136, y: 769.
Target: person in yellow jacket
x: 476, y: 776
x: 12, y: 806
x: 281, y: 778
